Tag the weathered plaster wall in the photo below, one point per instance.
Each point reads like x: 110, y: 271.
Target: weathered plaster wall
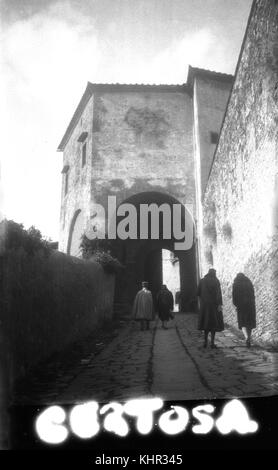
x: 240, y: 204
x: 139, y: 140
x: 143, y: 142
x: 78, y: 196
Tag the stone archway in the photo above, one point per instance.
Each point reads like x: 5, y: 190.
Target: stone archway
x: 142, y: 259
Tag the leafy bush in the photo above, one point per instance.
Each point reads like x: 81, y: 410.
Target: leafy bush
x: 107, y: 261
x: 89, y: 247
x: 13, y: 236
x: 100, y: 250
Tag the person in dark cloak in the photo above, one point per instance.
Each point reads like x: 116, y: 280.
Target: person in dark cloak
x: 165, y: 305
x: 244, y: 300
x: 210, y: 302
x: 143, y: 310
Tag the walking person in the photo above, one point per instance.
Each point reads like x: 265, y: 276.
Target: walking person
x: 143, y: 307
x: 165, y: 305
x: 244, y: 301
x: 211, y: 316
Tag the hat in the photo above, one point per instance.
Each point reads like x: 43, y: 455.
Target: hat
x: 212, y: 271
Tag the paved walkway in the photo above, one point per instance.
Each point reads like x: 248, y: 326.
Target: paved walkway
x: 171, y: 364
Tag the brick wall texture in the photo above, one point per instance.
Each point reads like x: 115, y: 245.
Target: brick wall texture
x: 240, y: 202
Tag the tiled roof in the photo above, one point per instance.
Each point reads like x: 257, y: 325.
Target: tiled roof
x: 211, y: 74
x: 136, y: 87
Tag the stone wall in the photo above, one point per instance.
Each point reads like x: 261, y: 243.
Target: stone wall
x: 240, y: 203
x: 140, y: 139
x: 143, y: 142
x: 211, y: 97
x: 137, y: 141
x: 49, y: 302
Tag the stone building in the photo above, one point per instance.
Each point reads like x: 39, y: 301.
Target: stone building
x: 143, y: 144
x: 240, y: 203
x: 211, y: 145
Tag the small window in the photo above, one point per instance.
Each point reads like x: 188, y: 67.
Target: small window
x: 214, y: 137
x: 83, y: 136
x: 65, y: 172
x: 66, y: 182
x: 84, y: 151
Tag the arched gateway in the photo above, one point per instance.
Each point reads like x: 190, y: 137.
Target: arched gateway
x: 143, y: 144
x: 142, y: 257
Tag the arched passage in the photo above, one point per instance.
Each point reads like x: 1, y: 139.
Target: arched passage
x: 76, y: 229
x: 142, y: 257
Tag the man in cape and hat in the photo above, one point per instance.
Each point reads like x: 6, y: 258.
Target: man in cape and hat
x: 143, y: 307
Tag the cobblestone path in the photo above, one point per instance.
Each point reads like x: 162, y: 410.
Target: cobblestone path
x: 168, y: 363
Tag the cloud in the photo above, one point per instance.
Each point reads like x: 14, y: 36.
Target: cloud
x: 45, y: 64
x: 172, y: 63
x: 49, y: 54
x: 47, y: 58
x: 198, y: 49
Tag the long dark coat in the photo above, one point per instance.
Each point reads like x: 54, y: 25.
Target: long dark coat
x: 244, y: 300
x: 165, y: 303
x: 209, y: 292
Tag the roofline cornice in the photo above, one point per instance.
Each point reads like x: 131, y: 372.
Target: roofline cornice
x: 95, y: 88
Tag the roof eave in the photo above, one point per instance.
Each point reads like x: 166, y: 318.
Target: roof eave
x: 76, y: 116
x: 194, y: 72
x: 99, y: 87
x: 113, y: 87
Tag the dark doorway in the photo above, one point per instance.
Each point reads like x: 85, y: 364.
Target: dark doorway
x: 143, y: 259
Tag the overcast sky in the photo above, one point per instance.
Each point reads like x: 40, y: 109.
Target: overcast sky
x: 51, y: 48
